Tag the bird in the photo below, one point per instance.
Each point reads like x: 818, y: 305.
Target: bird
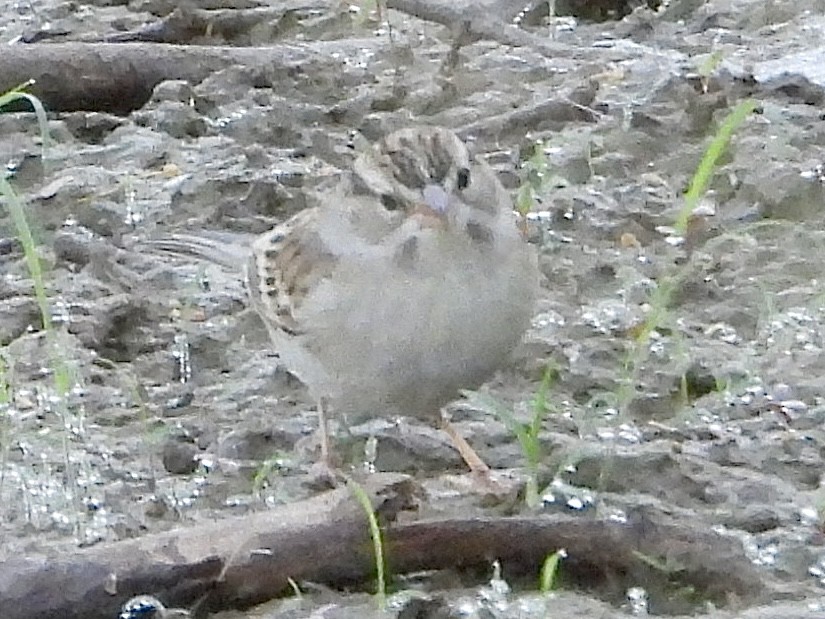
x: 407, y: 283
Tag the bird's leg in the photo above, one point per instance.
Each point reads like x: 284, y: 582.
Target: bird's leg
x: 478, y: 467
x: 324, y: 472
x: 468, y: 454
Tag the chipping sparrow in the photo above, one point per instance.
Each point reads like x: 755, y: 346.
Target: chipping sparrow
x: 410, y: 282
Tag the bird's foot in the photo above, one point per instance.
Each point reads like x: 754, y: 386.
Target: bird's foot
x: 324, y: 475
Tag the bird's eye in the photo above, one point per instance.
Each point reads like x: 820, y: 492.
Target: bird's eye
x: 390, y: 202
x: 463, y: 179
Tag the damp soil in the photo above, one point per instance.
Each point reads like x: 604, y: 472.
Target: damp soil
x: 179, y: 412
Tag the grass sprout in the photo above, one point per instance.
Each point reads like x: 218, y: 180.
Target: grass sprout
x: 296, y: 590
x: 659, y: 304
x: 550, y: 571
x: 533, y: 178
x: 708, y: 66
x: 526, y: 433
x: 63, y: 377
x: 18, y: 215
x: 377, y: 540
x: 274, y: 463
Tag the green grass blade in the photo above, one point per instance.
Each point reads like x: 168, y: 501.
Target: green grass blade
x: 39, y: 111
x: 550, y: 571
x: 377, y: 540
x: 701, y: 178
x: 24, y: 233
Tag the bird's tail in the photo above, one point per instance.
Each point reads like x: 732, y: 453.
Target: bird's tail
x: 231, y: 250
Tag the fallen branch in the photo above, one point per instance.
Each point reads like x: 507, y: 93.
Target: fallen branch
x: 324, y: 538
x: 119, y: 77
x: 239, y: 562
x: 477, y: 21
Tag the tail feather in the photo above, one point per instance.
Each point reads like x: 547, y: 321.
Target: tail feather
x: 232, y: 251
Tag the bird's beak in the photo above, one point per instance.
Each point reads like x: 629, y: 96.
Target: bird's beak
x: 432, y: 209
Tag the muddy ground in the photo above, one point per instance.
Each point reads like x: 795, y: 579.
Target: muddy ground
x: 179, y: 412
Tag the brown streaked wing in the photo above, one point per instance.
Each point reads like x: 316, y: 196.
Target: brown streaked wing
x: 286, y: 263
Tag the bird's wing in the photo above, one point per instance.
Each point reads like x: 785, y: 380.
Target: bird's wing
x: 284, y: 266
